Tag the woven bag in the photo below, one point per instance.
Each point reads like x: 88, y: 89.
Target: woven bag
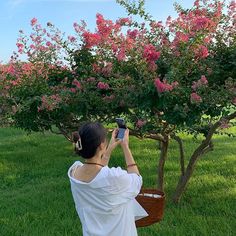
x: 153, y: 201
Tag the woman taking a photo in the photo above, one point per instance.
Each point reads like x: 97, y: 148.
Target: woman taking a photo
x: 104, y: 197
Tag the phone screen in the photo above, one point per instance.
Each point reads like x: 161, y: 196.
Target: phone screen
x: 122, y: 127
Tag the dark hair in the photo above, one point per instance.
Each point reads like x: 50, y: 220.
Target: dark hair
x: 92, y: 134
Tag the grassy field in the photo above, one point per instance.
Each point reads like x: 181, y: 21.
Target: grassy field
x: 35, y: 196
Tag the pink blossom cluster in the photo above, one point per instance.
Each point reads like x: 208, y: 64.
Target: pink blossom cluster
x: 109, y: 35
x: 164, y: 86
x: 20, y: 47
x: 71, y: 38
x: 124, y: 21
x: 20, y: 71
x: 201, y: 82
x: 104, y: 68
x: 40, y: 43
x: 132, y: 33
x: 181, y: 37
x: 77, y: 84
x: 107, y: 69
x: 198, y: 18
x: 91, y: 39
x: 196, y: 28
x: 103, y: 86
x: 140, y: 123
x: 34, y: 21
x: 150, y: 53
x: 49, y: 103
x: 91, y: 79
x: 201, y: 52
x: 104, y: 27
x: 195, y: 98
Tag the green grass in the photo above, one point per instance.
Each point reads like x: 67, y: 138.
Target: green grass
x: 35, y: 196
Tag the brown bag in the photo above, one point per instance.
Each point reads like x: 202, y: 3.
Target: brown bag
x: 153, y: 201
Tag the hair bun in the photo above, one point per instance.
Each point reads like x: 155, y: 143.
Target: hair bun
x: 77, y: 140
x: 75, y: 136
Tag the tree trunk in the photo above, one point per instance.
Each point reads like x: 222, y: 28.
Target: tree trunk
x: 160, y: 169
x: 181, y: 153
x: 202, y: 149
x: 184, y: 179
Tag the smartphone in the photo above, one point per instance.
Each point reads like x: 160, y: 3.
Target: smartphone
x: 122, y: 127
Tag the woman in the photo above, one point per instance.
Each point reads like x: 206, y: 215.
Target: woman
x: 104, y: 197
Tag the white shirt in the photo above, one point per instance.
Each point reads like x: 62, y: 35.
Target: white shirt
x: 106, y: 205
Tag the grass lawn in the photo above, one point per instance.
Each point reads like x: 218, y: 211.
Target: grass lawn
x: 35, y: 195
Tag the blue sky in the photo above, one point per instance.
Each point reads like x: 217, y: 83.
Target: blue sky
x: 16, y: 15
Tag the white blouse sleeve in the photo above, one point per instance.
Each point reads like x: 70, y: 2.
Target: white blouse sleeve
x: 125, y: 184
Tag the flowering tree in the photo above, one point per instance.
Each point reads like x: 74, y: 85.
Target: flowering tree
x: 164, y: 78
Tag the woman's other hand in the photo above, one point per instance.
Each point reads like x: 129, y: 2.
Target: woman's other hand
x: 125, y: 142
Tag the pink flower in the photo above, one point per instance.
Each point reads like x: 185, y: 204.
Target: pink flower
x: 199, y: 83
x: 91, y: 39
x: 14, y: 82
x: 49, y: 102
x: 107, y: 69
x: 76, y: 26
x: 124, y: 21
x: 76, y: 83
x: 140, y: 123
x: 20, y: 45
x: 56, y: 98
x: 164, y: 86
x: 195, y: 98
x: 32, y: 46
x: 203, y: 79
x: 48, y: 44
x: 182, y: 37
x: 104, y: 26
x: 33, y: 21
x: 132, y: 33
x: 150, y: 53
x: 71, y: 38
x: 73, y: 90
x: 103, y: 86
x: 121, y: 55
x: 207, y: 39
x: 152, y: 66
x: 96, y: 68
x: 202, y: 52
x: 91, y: 79
x: 196, y: 3
x: 201, y: 22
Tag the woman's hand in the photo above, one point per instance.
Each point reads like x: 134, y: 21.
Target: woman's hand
x: 111, y: 146
x: 113, y: 142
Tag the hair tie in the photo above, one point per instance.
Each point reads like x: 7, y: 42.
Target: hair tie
x: 78, y: 144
